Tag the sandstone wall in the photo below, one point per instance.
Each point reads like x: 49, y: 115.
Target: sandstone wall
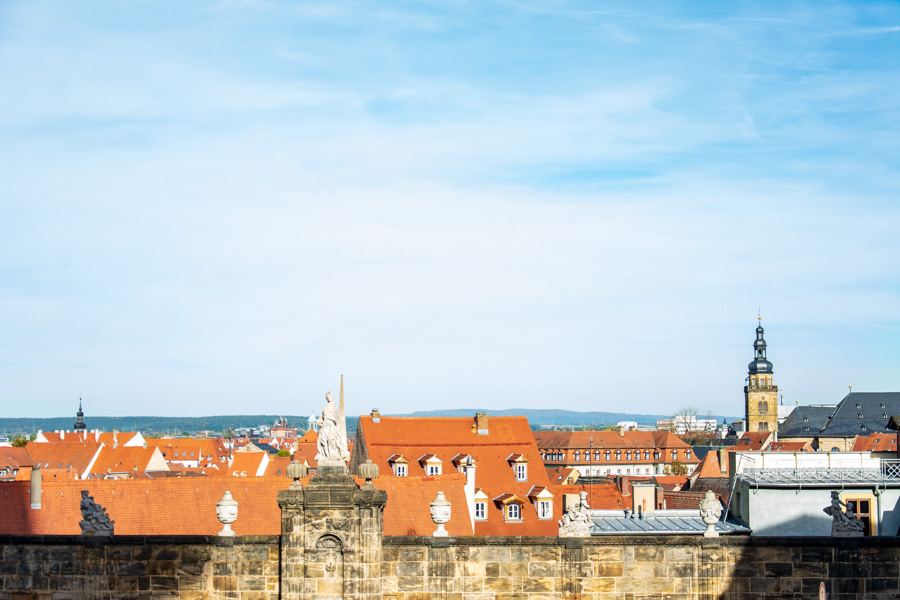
x: 422, y: 568
x: 138, y: 568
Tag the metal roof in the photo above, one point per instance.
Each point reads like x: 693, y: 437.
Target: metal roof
x: 806, y: 421
x: 862, y: 413
x: 660, y: 522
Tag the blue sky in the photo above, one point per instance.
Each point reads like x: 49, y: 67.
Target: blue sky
x: 220, y: 207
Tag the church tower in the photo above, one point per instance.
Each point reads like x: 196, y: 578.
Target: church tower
x: 760, y: 394
x: 79, y: 423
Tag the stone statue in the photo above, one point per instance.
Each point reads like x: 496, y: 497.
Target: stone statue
x: 94, y: 521
x: 332, y: 444
x: 843, y: 524
x: 577, y: 520
x: 710, y: 510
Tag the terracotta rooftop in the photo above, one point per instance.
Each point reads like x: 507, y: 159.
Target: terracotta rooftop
x: 187, y: 506
x: 876, y: 442
x: 446, y: 437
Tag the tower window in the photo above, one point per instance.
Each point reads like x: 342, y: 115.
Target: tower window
x: 763, y: 426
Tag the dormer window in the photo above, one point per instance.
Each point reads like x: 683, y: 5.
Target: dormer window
x: 512, y: 506
x: 605, y: 455
x: 577, y: 455
x: 656, y: 455
x: 513, y: 512
x: 618, y: 455
x: 646, y: 455
x: 398, y: 465
x: 597, y: 455
x: 431, y: 464
x: 674, y: 454
x: 687, y: 454
x: 520, y: 466
x: 628, y: 455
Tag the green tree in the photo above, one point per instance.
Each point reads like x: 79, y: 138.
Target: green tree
x: 283, y: 452
x: 19, y: 442
x: 676, y: 467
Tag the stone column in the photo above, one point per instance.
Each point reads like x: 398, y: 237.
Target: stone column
x: 331, y: 538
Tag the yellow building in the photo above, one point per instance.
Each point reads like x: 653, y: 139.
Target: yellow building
x: 760, y: 394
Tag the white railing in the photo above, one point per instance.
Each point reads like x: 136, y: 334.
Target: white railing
x: 811, y: 467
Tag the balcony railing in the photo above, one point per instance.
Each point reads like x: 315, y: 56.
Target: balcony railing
x: 814, y: 468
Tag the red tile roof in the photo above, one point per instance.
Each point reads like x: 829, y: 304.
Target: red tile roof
x: 446, y: 437
x: 876, y: 442
x: 66, y: 455
x: 187, y: 505
x: 789, y: 447
x: 754, y: 440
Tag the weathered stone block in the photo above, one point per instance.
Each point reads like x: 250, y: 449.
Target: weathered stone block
x: 541, y: 569
x: 224, y: 584
x: 608, y: 569
x: 778, y: 569
x: 491, y: 569
x: 537, y: 584
x: 165, y: 553
x: 498, y: 584
x: 514, y: 569
x: 762, y: 585
x: 496, y: 554
x: 410, y: 584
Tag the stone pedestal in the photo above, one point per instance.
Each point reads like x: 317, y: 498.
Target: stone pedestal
x: 331, y: 538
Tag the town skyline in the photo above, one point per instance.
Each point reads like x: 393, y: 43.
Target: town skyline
x: 223, y: 207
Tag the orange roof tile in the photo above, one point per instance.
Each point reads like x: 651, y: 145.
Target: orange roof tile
x: 65, y: 455
x: 447, y: 437
x: 876, y: 442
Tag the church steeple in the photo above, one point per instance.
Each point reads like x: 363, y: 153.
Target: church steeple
x: 760, y: 394
x: 79, y: 423
x: 759, y: 364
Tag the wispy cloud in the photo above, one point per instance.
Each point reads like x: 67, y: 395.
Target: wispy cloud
x: 493, y: 205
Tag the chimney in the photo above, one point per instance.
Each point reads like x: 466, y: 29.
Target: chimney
x: 62, y: 434
x: 481, y: 423
x: 115, y: 439
x: 621, y: 430
x: 469, y: 470
x: 376, y: 416
x: 36, y: 487
x: 723, y: 462
x: 643, y: 498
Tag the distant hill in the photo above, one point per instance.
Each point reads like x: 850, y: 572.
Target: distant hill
x: 181, y: 425
x: 553, y: 417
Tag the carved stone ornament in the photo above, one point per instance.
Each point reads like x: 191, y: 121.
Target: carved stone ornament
x: 297, y: 471
x: 226, y: 510
x: 710, y: 510
x: 440, y: 514
x: 94, y: 520
x: 577, y: 520
x: 368, y: 471
x: 843, y: 524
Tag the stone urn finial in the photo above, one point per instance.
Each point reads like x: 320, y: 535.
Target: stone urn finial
x: 710, y: 510
x: 368, y: 471
x: 296, y: 471
x: 226, y: 510
x: 440, y: 514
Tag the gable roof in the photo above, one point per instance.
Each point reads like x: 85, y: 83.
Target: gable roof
x: 806, y: 421
x: 754, y: 440
x: 450, y: 436
x: 862, y: 413
x: 68, y: 455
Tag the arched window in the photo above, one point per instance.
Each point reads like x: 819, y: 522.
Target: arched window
x: 763, y: 408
